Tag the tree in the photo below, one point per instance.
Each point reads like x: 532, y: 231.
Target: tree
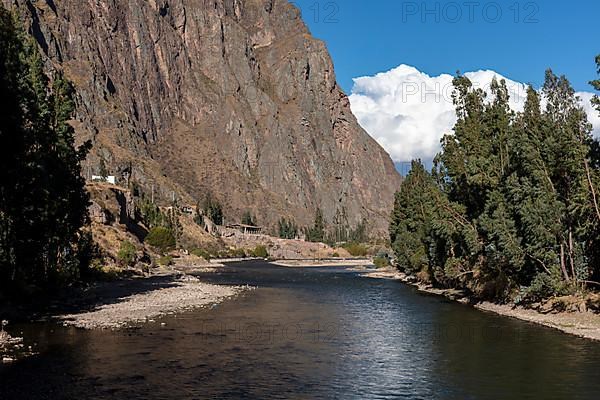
x: 340, y: 228
x: 102, y: 170
x: 429, y: 233
x: 172, y: 223
x: 570, y: 136
x: 595, y: 164
x: 43, y: 202
x: 247, y: 219
x: 411, y: 218
x: 287, y: 229
x: 531, y: 191
x: 596, y: 85
x: 149, y: 213
x: 467, y: 158
x: 359, y: 233
x: 512, y: 201
x: 213, y: 209
x: 317, y: 232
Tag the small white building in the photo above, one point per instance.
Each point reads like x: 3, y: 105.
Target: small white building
x: 109, y: 179
x: 190, y: 210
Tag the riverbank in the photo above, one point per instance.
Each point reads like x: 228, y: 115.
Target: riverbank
x: 8, y: 346
x: 7, y: 340
x: 150, y: 300
x: 121, y: 303
x: 323, y: 263
x: 584, y: 324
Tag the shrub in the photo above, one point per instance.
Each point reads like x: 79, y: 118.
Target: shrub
x: 356, y: 249
x: 201, y: 253
x: 126, y: 256
x: 108, y: 273
x: 239, y: 253
x: 260, y: 252
x: 165, y: 261
x: 381, y: 262
x: 223, y: 254
x: 543, y: 287
x: 335, y: 255
x: 161, y: 238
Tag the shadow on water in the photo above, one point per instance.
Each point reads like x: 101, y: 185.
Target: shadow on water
x: 311, y: 333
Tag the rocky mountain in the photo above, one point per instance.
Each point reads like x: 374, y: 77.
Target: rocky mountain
x: 233, y: 97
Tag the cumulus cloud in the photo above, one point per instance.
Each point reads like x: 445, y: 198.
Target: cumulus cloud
x: 408, y: 111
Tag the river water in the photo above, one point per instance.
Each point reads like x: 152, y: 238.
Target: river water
x: 310, y: 334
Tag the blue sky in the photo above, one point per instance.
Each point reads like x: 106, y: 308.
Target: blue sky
x: 367, y: 37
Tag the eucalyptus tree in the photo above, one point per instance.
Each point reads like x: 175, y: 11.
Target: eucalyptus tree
x: 510, y: 209
x: 43, y: 202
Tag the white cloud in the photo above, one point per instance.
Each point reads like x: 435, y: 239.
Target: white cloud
x: 408, y: 111
x: 592, y: 113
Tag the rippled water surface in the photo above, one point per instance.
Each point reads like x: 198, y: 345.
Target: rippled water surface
x: 306, y: 334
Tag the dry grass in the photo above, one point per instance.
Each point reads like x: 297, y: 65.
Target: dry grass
x: 109, y: 238
x: 194, y: 236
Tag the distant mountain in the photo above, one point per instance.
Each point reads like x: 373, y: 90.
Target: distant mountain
x: 224, y: 96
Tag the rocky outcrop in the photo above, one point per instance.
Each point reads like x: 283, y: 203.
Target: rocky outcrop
x: 98, y: 214
x: 228, y: 96
x: 111, y: 204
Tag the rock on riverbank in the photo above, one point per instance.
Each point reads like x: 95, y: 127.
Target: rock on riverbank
x: 8, y: 345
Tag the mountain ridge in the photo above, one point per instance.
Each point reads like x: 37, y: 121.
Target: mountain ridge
x: 188, y: 97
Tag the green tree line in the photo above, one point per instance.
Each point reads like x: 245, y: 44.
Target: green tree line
x: 337, y: 232
x: 287, y: 229
x: 510, y: 209
x: 43, y: 202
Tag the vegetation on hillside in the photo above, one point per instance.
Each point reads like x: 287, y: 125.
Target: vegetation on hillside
x: 510, y: 209
x: 316, y: 233
x: 162, y: 239
x: 212, y: 209
x: 153, y: 217
x: 248, y: 219
x: 126, y: 256
x: 341, y: 232
x: 356, y: 249
x: 102, y: 170
x: 260, y: 251
x: 43, y: 203
x: 287, y: 229
x: 338, y: 233
x: 149, y: 213
x: 381, y: 261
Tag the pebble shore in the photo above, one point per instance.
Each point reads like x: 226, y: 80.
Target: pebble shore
x: 186, y: 293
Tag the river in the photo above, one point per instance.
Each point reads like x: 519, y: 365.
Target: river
x: 310, y: 333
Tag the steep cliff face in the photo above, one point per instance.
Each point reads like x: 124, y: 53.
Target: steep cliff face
x: 229, y: 96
